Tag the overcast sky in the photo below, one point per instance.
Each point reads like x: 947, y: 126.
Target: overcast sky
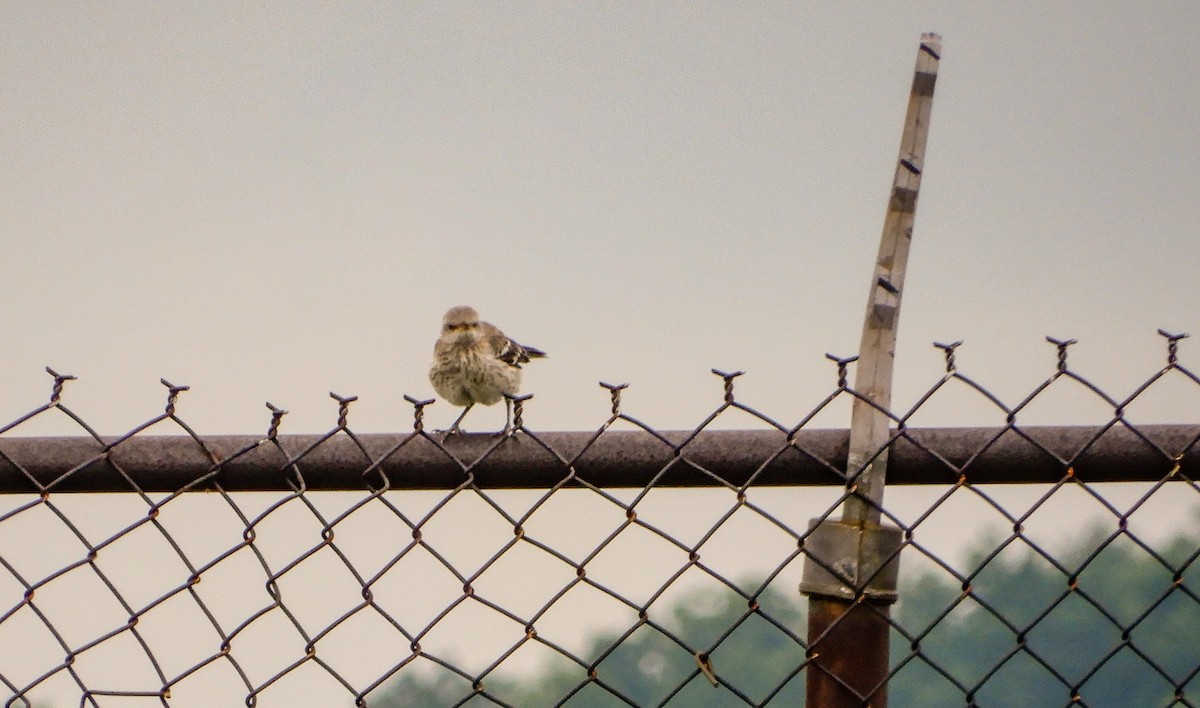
x: 270, y: 201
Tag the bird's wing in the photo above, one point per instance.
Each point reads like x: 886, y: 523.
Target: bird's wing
x: 507, y: 350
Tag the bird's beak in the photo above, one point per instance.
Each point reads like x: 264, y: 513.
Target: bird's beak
x: 465, y: 333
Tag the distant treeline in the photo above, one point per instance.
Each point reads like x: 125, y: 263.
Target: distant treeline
x: 1116, y: 623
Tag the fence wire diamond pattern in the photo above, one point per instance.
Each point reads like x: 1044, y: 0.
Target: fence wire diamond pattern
x: 557, y: 569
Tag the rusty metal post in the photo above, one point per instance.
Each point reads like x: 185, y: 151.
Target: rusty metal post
x: 852, y: 564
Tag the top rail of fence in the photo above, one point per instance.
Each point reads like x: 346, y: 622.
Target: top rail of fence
x: 732, y: 458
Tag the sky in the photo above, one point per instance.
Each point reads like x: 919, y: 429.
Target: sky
x: 272, y: 201
x: 268, y: 202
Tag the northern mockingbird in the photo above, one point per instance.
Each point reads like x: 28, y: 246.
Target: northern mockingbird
x: 474, y: 362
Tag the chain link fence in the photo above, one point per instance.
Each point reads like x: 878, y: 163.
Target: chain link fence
x: 1040, y: 566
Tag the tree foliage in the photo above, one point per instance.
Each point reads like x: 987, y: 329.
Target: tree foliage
x: 1116, y: 623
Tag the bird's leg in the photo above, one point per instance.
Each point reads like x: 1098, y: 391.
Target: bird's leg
x: 454, y: 429
x: 508, y: 406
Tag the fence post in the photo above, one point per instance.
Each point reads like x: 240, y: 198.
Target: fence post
x: 852, y: 564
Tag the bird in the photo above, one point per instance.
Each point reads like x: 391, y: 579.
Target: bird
x: 474, y: 362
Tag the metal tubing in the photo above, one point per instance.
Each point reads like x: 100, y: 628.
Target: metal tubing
x: 615, y: 459
x: 849, y: 654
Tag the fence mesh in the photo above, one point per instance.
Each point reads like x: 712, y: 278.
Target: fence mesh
x: 1067, y: 592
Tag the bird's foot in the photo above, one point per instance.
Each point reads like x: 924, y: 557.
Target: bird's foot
x: 506, y: 432
x: 449, y: 433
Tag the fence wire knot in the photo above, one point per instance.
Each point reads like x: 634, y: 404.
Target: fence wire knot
x: 1172, y: 346
x: 1062, y: 345
x: 728, y: 377
x: 948, y: 349
x: 343, y: 407
x: 842, y: 363
x: 277, y: 415
x: 59, y: 380
x: 418, y: 411
x: 614, y: 391
x: 518, y: 404
x: 173, y: 392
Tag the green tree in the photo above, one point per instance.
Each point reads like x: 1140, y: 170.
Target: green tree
x: 1107, y: 626
x: 1114, y: 624
x: 755, y: 654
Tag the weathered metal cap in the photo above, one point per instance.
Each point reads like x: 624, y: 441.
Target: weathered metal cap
x: 845, y: 561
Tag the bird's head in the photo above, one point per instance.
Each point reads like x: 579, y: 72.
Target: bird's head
x: 461, y: 323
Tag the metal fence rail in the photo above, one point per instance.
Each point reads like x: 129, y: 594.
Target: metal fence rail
x: 329, y: 573
x: 619, y: 458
